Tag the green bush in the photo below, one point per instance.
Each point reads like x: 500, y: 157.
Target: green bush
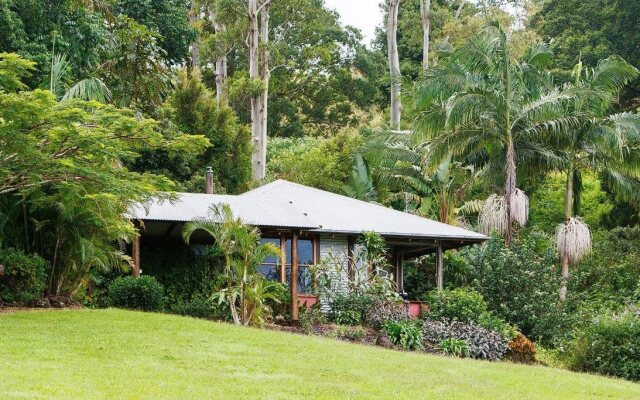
x: 610, y: 345
x: 144, y: 293
x: 25, y: 277
x: 467, y: 305
x: 197, y: 308
x: 347, y: 305
x: 347, y: 317
x: 458, y: 304
x: 520, y: 283
x: 454, y: 347
x: 406, y: 334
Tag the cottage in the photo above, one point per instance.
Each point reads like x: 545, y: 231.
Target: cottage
x: 308, y: 225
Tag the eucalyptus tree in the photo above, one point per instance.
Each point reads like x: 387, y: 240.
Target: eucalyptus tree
x: 394, y: 63
x: 489, y: 108
x: 607, y: 144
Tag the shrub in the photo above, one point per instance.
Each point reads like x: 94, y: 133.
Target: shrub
x: 454, y: 347
x: 347, y: 317
x: 522, y: 350
x: 467, y: 305
x: 25, y: 276
x: 198, y: 308
x: 310, y: 318
x: 406, y: 334
x: 483, y: 343
x: 347, y: 305
x: 144, y: 293
x: 519, y: 283
x: 352, y: 333
x: 458, y: 305
x: 610, y: 345
x: 385, y: 310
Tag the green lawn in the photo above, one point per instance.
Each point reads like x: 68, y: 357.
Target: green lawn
x: 115, y: 354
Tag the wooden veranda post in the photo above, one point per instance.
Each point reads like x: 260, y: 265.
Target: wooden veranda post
x: 294, y: 276
x: 135, y: 256
x: 439, y: 266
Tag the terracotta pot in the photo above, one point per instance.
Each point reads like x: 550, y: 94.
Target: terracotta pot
x: 307, y: 300
x: 414, y: 308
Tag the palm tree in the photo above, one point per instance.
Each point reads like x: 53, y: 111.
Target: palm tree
x: 488, y: 108
x: 243, y: 252
x: 90, y: 88
x: 429, y: 190
x: 605, y: 144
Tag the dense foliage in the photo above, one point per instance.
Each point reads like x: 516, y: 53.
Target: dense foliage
x: 144, y: 293
x: 482, y: 342
x: 24, y: 278
x: 609, y: 345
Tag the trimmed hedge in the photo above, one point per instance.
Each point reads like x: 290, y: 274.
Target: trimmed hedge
x: 144, y: 293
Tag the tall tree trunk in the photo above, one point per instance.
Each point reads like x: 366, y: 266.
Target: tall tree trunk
x: 425, y: 12
x: 394, y: 63
x: 221, y: 58
x: 195, y: 46
x: 509, y: 188
x: 258, y: 135
x: 265, y: 74
x: 568, y: 206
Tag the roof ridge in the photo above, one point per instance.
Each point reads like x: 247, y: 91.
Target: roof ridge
x: 351, y: 199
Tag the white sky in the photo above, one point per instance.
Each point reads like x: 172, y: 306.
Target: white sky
x: 363, y: 14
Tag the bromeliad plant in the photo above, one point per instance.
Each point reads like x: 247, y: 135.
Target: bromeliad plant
x: 244, y: 291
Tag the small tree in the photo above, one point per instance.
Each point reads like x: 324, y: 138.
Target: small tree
x: 244, y: 291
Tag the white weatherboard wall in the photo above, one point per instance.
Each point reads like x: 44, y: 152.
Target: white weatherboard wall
x: 334, y: 249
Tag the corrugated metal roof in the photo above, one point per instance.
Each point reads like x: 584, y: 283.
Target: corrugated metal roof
x: 341, y: 214
x: 286, y: 204
x: 193, y: 206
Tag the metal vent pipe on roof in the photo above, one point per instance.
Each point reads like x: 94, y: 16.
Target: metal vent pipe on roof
x: 208, y: 189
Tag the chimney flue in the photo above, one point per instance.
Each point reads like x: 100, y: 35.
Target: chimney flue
x: 208, y: 188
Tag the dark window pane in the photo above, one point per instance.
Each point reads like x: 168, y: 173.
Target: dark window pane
x: 287, y: 250
x: 304, y: 279
x: 275, y: 241
x: 270, y: 272
x: 305, y: 252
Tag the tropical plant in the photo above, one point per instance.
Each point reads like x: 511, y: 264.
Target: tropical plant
x: 360, y: 184
x: 63, y: 181
x: 454, y: 347
x: 406, y: 334
x: 488, y: 108
x: 244, y: 290
x: 405, y: 169
x: 601, y: 143
x: 91, y: 88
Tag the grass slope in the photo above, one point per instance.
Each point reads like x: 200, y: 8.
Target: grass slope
x: 115, y: 354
